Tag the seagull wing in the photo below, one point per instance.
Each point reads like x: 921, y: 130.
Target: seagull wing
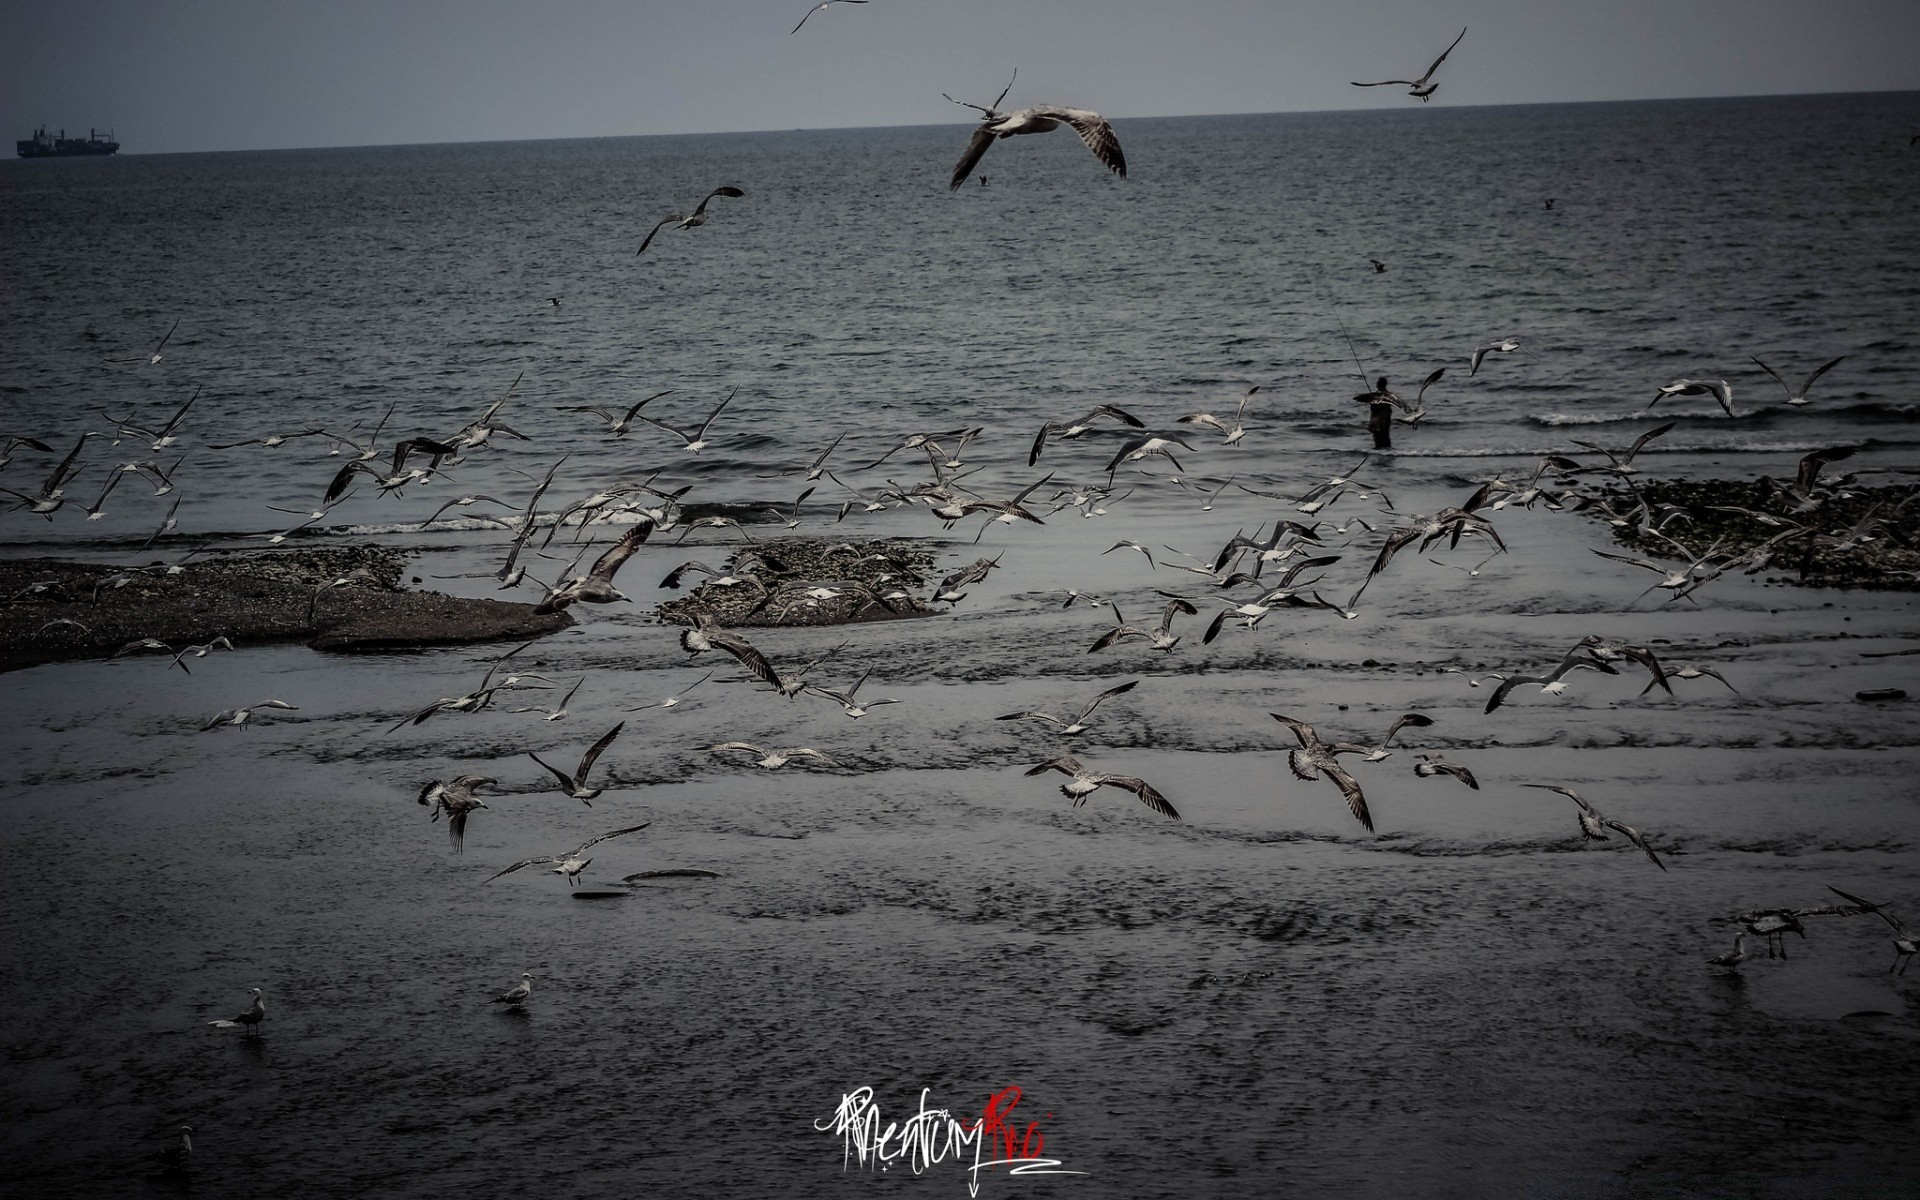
x: 590, y: 843
x: 1817, y: 374
x: 610, y: 562
x: 749, y: 656
x: 593, y: 752
x: 1066, y: 764
x: 648, y: 240
x: 1349, y: 788
x: 1417, y: 720
x: 1633, y: 835
x: 1385, y: 82
x: 1776, y: 375
x: 1441, y: 59
x: 567, y: 782
x: 525, y: 862
x: 1149, y: 795
x: 716, y: 412
x: 982, y: 138
x: 1103, y: 697
x: 1093, y: 130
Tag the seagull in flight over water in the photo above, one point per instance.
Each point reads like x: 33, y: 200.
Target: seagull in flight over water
x: 1041, y: 118
x: 688, y: 220
x: 1422, y: 87
x: 816, y: 8
x: 569, y: 864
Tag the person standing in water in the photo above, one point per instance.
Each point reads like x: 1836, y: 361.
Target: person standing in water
x: 1380, y: 404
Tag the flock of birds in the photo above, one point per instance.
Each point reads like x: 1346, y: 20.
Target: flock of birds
x: 1280, y: 565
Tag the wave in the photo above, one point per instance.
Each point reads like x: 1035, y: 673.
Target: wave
x: 1760, y: 447
x: 1867, y: 411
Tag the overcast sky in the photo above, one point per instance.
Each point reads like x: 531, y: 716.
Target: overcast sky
x: 173, y: 75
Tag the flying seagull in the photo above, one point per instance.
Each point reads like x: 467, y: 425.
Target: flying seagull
x: 1421, y: 86
x: 1799, y: 398
x: 596, y: 586
x: 575, y: 785
x: 1315, y: 758
x: 1079, y: 723
x: 689, y: 220
x: 816, y: 8
x: 1084, y: 783
x: 1594, y: 826
x: 569, y: 864
x: 1041, y: 118
x: 456, y: 797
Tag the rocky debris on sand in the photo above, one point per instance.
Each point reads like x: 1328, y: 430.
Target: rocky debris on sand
x: 1828, y: 558
x: 54, y: 609
x: 811, y: 581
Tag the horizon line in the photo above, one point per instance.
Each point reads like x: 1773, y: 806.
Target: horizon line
x: 598, y: 137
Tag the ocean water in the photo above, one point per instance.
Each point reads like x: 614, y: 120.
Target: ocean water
x: 1262, y: 998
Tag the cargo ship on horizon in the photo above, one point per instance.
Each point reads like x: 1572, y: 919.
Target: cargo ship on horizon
x: 42, y: 146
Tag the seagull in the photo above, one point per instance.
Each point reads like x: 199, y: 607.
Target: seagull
x: 773, y: 759
x: 174, y: 1159
x: 706, y: 634
x: 249, y: 1020
x: 1125, y: 544
x: 467, y: 502
x: 1315, y: 758
x: 948, y: 589
x: 816, y: 8
x: 1139, y: 448
x: 1434, y: 764
x: 555, y: 714
x: 272, y: 441
x: 1078, y: 724
x: 569, y: 864
x: 1421, y: 87
x: 240, y: 716
x: 698, y: 441
x: 1904, y: 945
x: 1732, y: 959
x: 1690, y: 671
x: 575, y: 785
x: 1233, y: 434
x: 1774, y: 924
x: 1162, y: 637
x: 673, y: 701
x: 854, y: 708
x: 1719, y: 389
x: 1376, y: 753
x: 1798, y: 399
x: 791, y: 517
x: 596, y: 586
x: 154, y: 356
x: 1553, y: 683
x: 1504, y: 346
x: 617, y: 423
x: 1075, y: 429
x: 518, y: 993
x: 1594, y: 826
x: 457, y: 797
x: 1041, y: 118
x: 1083, y: 783
x: 160, y: 439
x: 1379, y: 268
x: 179, y: 660
x: 689, y: 220
x: 1623, y: 461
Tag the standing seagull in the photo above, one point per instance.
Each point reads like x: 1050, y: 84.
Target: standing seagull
x: 575, y: 785
x: 1421, y: 87
x: 1041, y: 118
x: 1594, y: 827
x: 248, y: 1020
x: 1799, y: 398
x: 689, y: 220
x: 816, y: 8
x: 518, y: 993
x: 569, y: 864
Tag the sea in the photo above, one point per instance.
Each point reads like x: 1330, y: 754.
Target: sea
x: 924, y: 970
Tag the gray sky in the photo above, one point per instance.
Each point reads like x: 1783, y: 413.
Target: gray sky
x: 172, y: 75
